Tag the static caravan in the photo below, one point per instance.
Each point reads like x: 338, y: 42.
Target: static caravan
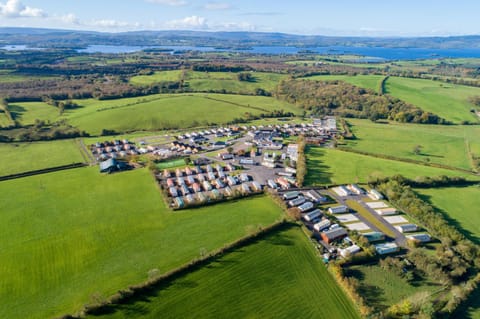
x: 338, y: 209
x: 207, y: 186
x: 386, y: 211
x: 350, y: 251
x: 354, y: 188
x: 231, y: 181
x: 256, y: 186
x: 271, y: 183
x: 315, y: 196
x: 219, y: 183
x: 245, y: 188
x: 190, y: 180
x: 296, y: 202
x: 374, y: 236
x: 244, y: 177
x: 406, y: 228
x: 374, y: 194
x: 312, y: 215
x: 322, y: 225
x: 210, y: 176
x: 173, y: 191
x: 305, y: 207
x: 386, y: 248
x: 290, y: 195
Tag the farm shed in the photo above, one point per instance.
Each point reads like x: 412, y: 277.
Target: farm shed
x: 334, y: 234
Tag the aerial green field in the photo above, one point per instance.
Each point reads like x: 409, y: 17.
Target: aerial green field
x: 382, y: 288
x: 460, y: 205
x: 22, y: 157
x: 445, y: 145
x: 206, y: 81
x: 446, y: 100
x: 330, y: 166
x: 159, y: 111
x: 365, y: 81
x: 27, y: 113
x: 280, y: 276
x: 71, y: 235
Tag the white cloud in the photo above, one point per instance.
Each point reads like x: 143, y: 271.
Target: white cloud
x: 70, y: 19
x: 173, y: 3
x: 217, y: 6
x: 16, y: 9
x: 235, y: 26
x: 112, y: 24
x: 191, y: 23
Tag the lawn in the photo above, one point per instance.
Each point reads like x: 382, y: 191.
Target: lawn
x: 161, y: 111
x: 280, y: 276
x: 446, y: 100
x: 365, y: 81
x: 330, y: 166
x: 22, y: 157
x: 71, y: 235
x: 439, y: 144
x: 383, y: 288
x: 207, y: 81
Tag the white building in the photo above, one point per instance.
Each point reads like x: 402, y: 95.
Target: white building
x: 374, y: 194
x: 406, y: 228
x: 338, y: 209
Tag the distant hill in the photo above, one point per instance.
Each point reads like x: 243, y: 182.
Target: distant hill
x: 75, y: 39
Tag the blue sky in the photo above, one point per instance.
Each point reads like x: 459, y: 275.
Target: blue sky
x: 339, y: 17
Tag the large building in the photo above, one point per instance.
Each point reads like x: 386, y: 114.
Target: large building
x: 334, y: 234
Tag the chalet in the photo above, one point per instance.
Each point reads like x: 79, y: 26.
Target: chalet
x: 334, y: 234
x: 190, y: 180
x: 244, y: 178
x: 196, y: 187
x: 245, y: 188
x: 406, y: 228
x: 338, y: 209
x: 219, y: 183
x: 312, y: 215
x: 283, y: 182
x: 231, y: 181
x: 322, y: 225
x: 228, y: 191
x: 188, y: 171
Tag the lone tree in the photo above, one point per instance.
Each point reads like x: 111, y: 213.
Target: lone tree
x: 417, y: 149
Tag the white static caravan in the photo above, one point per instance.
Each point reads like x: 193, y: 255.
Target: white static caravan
x: 207, y: 186
x: 386, y: 211
x: 406, y: 228
x: 305, y: 207
x: 271, y: 183
x: 350, y: 251
x: 245, y: 188
x: 315, y: 196
x: 312, y: 215
x: 338, y: 209
x: 256, y: 186
x: 290, y: 195
x: 173, y: 191
x: 354, y: 188
x: 341, y: 191
x: 423, y: 238
x: 322, y: 225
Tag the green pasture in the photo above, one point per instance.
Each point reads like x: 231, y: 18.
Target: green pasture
x: 331, y: 166
x: 366, y: 81
x: 447, y: 145
x: 206, y: 81
x: 280, y: 276
x: 446, y: 100
x: 22, y: 157
x: 155, y: 112
x: 71, y: 237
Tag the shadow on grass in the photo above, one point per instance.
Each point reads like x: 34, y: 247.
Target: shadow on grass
x: 471, y: 308
x: 451, y: 221
x: 317, y: 172
x: 16, y: 111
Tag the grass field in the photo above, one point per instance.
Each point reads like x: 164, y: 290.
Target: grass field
x: 157, y: 111
x: 278, y: 277
x: 446, y: 100
x: 460, y: 205
x: 27, y: 113
x: 69, y: 235
x: 206, y: 81
x: 330, y: 166
x: 365, y: 81
x: 445, y: 145
x: 382, y: 288
x: 22, y: 157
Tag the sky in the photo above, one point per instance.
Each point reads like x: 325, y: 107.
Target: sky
x: 310, y: 17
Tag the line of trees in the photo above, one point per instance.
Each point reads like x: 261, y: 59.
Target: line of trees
x: 340, y: 98
x: 301, y: 161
